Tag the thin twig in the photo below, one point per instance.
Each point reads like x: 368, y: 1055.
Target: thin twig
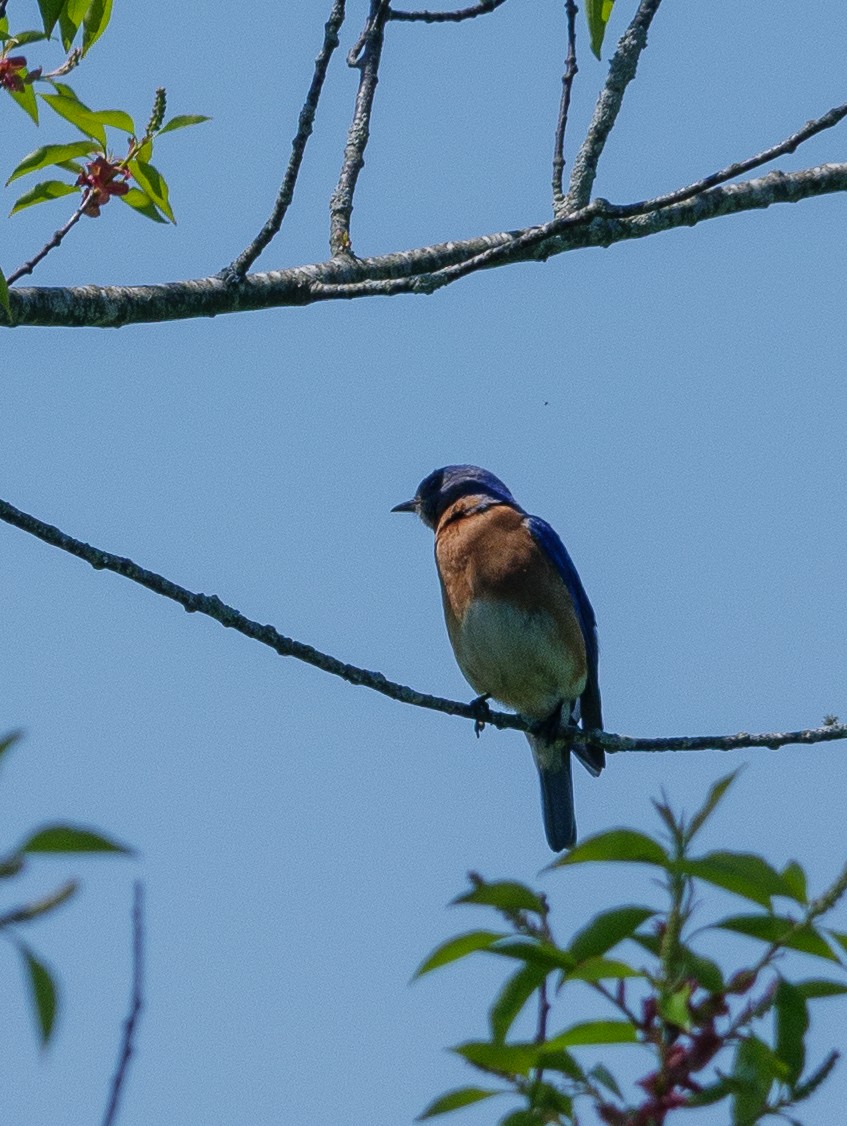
x: 568, y: 77
x: 621, y: 72
x: 55, y: 241
x: 136, y: 1002
x: 39, y: 907
x: 470, y: 13
x: 211, y: 606
x: 365, y: 55
x: 248, y: 256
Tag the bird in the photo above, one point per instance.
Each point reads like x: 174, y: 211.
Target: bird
x: 522, y: 629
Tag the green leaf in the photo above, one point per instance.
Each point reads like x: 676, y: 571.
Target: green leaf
x: 504, y: 1059
x: 21, y: 38
x: 598, y: 12
x: 602, y: 1074
x: 506, y: 895
x: 813, y: 988
x: 674, y: 1007
x: 606, y: 930
x: 794, y: 879
x: 43, y: 992
x: 521, y: 1118
x: 712, y: 801
x: 455, y: 948
x: 138, y: 201
x: 810, y: 1085
x: 26, y: 100
x: 6, y: 307
x: 95, y: 23
x: 596, y: 1032
x: 455, y: 1100
x: 553, y: 1103
x: 73, y: 110
x: 70, y: 17
x: 743, y: 873
x: 181, y: 121
x: 151, y: 181
x: 779, y: 930
x: 68, y: 838
x: 753, y: 1074
x: 48, y: 155
x: 512, y: 998
x: 50, y: 10
x: 625, y: 845
x: 704, y: 971
x: 792, y: 1024
x: 47, y: 189
x: 601, y: 969
x: 543, y: 954
x: 840, y: 938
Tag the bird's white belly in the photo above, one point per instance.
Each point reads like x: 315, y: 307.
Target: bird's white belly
x: 517, y: 657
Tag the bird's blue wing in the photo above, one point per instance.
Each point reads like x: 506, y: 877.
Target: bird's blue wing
x: 548, y: 540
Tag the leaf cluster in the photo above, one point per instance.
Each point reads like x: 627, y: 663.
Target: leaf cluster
x: 714, y: 1035
x: 49, y: 840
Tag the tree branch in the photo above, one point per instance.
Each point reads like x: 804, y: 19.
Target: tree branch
x: 38, y: 907
x: 213, y: 607
x: 568, y: 77
x: 422, y: 270
x: 622, y: 70
x: 52, y: 243
x: 248, y: 256
x: 127, y: 1044
x: 470, y: 13
x: 365, y: 55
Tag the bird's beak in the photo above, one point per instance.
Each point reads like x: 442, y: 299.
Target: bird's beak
x: 406, y: 506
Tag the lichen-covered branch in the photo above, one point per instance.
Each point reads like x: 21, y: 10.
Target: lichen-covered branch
x: 211, y: 606
x: 622, y: 70
x: 248, y: 256
x: 568, y: 77
x: 422, y: 270
x: 456, y: 16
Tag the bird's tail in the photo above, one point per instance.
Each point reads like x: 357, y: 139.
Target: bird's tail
x: 554, y: 770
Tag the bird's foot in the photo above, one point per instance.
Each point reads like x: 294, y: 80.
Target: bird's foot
x: 482, y: 713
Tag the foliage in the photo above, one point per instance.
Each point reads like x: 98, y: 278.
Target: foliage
x: 713, y: 1034
x: 51, y: 839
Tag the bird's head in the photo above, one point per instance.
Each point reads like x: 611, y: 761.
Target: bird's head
x: 443, y: 487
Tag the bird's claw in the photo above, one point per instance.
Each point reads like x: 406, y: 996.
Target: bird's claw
x: 482, y: 713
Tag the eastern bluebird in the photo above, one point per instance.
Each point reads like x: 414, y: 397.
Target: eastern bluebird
x: 519, y: 620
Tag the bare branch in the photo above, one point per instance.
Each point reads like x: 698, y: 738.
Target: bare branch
x: 568, y: 77
x: 422, y: 270
x: 470, y: 13
x: 365, y: 55
x: 248, y: 256
x: 621, y: 72
x: 127, y: 1044
x: 213, y: 607
x: 55, y: 241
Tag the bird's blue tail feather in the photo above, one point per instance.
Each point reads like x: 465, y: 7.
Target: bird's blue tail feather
x: 557, y: 801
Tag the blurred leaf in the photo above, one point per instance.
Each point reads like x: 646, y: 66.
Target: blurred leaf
x: 43, y: 992
x: 181, y: 121
x: 598, y: 12
x: 505, y: 1059
x: 48, y: 155
x: 792, y: 1023
x: 21, y: 38
x: 603, y: 1076
x: 95, y: 23
x: 840, y: 938
x: 601, y: 969
x: 543, y: 954
x: 46, y: 190
x: 4, y: 304
x: 9, y: 740
x: 708, y: 807
x: 512, y: 998
x: 674, y: 1007
x: 506, y: 895
x: 455, y: 948
x: 813, y: 988
x: 26, y: 100
x: 795, y: 879
x: 803, y: 1090
x: 704, y: 971
x: 606, y: 930
x: 596, y: 1032
x: 552, y: 1102
x: 455, y: 1100
x: 138, y: 201
x: 521, y: 1118
x: 68, y: 838
x: 618, y: 844
x: 151, y: 181
x: 744, y: 873
x: 50, y: 10
x: 776, y: 929
x: 753, y: 1073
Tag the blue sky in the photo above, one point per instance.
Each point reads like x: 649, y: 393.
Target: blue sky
x: 674, y: 407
